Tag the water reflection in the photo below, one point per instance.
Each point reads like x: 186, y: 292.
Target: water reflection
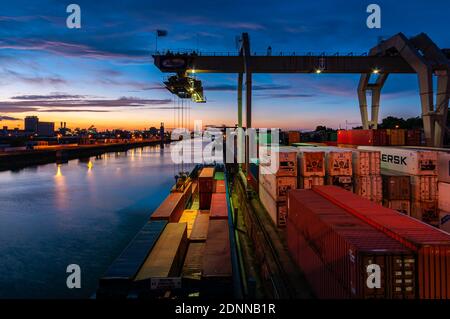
x: 84, y: 212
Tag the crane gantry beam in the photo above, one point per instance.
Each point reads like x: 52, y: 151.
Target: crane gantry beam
x: 396, y: 55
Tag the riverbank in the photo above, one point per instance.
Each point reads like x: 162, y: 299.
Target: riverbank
x: 62, y: 154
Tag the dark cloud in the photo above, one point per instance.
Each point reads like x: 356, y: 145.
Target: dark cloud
x: 35, y: 80
x: 284, y: 95
x: 63, y: 104
x: 231, y: 87
x: 9, y: 118
x: 56, y: 96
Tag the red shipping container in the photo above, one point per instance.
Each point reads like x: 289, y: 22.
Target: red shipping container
x: 171, y: 208
x: 432, y: 245
x: 219, y: 209
x: 219, y: 186
x: 206, y: 180
x: 217, y: 256
x: 205, y: 200
x: 345, y: 246
x: 362, y: 137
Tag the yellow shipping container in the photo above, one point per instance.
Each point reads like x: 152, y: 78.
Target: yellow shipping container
x: 189, y: 216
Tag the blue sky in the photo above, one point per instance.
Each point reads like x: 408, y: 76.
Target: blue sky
x: 103, y: 73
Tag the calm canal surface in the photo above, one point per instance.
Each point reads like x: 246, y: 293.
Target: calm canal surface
x: 83, y: 212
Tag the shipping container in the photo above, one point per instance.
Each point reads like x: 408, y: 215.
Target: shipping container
x: 396, y: 185
x: 344, y: 182
x: 171, y: 208
x: 444, y: 197
x: 294, y: 137
x: 424, y: 188
x: 189, y: 216
x: 414, y: 137
x: 425, y: 211
x: 217, y: 256
x: 200, y: 227
x: 206, y: 180
x: 219, y: 186
x: 118, y: 279
x: 277, y: 210
x: 338, y: 162
x: 366, y: 162
x: 205, y: 200
x: 309, y: 182
x: 396, y: 136
x: 219, y: 208
x: 345, y: 246
x: 277, y: 186
x: 166, y: 258
x: 431, y: 245
x: 444, y: 167
x: 362, y: 137
x: 409, y: 161
x: 444, y: 221
x: 402, y: 206
x: 311, y: 162
x: 192, y: 267
x: 369, y: 187
x: 282, y: 161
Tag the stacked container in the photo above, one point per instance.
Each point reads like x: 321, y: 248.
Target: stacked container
x: 311, y: 167
x: 396, y: 191
x: 275, y: 185
x: 334, y: 248
x: 293, y: 137
x: 396, y: 136
x: 431, y: 246
x: 421, y: 165
x: 362, y: 137
x: 206, y: 186
x: 444, y: 190
x: 338, y: 167
x: 367, y: 180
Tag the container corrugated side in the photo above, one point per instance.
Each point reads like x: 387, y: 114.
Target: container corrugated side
x: 200, y: 227
x: 432, y: 245
x: 119, y: 277
x: 409, y: 161
x: 166, y: 258
x: 347, y: 245
x: 171, y: 208
x: 277, y: 209
x: 219, y: 208
x: 444, y: 167
x: 189, y: 216
x: 444, y: 196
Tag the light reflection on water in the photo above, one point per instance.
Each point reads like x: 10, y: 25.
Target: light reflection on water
x: 82, y: 212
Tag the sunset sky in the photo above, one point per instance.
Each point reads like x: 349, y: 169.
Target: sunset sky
x: 103, y: 73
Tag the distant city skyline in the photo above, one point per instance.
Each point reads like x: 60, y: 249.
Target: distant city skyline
x: 103, y: 73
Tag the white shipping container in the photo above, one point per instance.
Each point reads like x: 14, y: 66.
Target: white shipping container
x: 338, y: 161
x: 444, y: 196
x: 277, y: 186
x: 409, y: 161
x: 424, y: 188
x: 366, y: 162
x: 283, y: 160
x: 310, y: 181
x: 444, y: 167
x: 310, y: 162
x: 444, y: 221
x: 277, y: 210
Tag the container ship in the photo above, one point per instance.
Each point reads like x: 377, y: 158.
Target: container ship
x: 330, y: 223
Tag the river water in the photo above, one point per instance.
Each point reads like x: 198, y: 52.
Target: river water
x: 83, y: 212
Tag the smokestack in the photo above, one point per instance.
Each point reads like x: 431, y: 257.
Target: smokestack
x: 64, y: 124
x: 61, y: 126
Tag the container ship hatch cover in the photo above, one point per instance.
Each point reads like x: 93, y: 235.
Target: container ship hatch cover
x: 186, y: 249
